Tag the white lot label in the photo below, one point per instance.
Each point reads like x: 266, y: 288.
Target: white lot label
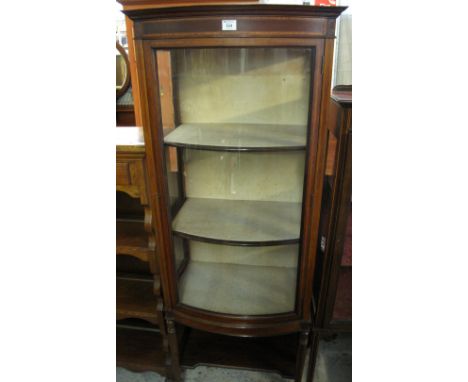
x: 229, y: 25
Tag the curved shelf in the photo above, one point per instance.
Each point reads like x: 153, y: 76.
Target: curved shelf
x: 239, y: 222
x: 238, y: 137
x: 238, y: 289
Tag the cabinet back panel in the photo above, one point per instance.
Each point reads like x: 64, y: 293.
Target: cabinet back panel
x: 243, y: 85
x: 275, y: 176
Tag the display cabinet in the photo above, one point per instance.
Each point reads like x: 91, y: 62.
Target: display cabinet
x: 332, y: 297
x: 234, y: 101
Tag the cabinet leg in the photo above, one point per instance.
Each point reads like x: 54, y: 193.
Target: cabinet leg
x: 301, y: 354
x: 165, y: 340
x: 174, y: 365
x: 314, y: 342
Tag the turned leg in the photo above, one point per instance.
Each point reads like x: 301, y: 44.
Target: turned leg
x: 301, y: 353
x: 165, y: 341
x: 154, y: 269
x: 174, y: 350
x: 314, y: 342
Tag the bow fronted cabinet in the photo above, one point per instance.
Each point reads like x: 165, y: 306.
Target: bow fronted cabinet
x: 234, y: 103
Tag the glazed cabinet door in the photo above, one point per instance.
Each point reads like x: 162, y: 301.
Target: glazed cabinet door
x: 235, y: 126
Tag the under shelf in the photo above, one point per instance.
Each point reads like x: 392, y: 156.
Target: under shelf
x: 135, y: 299
x: 132, y: 239
x: 239, y: 222
x: 238, y: 136
x: 269, y: 354
x: 238, y: 289
x: 140, y: 350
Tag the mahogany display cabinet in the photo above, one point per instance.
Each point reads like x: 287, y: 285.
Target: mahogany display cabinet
x: 332, y: 298
x: 234, y: 101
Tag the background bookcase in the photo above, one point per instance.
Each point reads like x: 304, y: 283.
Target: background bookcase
x: 141, y: 332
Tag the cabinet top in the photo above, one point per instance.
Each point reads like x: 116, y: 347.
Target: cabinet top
x: 235, y: 9
x: 130, y: 139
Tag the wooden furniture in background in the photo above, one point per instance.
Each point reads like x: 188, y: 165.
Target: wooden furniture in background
x: 122, y: 70
x: 332, y: 301
x: 125, y: 108
x: 125, y: 115
x: 140, y: 346
x: 262, y: 83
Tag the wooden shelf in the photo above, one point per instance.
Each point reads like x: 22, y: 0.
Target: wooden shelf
x: 238, y: 137
x: 135, y: 299
x: 239, y: 222
x: 140, y: 350
x: 132, y: 239
x: 238, y: 289
x: 272, y: 354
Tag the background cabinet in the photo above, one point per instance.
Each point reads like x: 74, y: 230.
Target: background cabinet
x: 332, y: 302
x: 141, y: 332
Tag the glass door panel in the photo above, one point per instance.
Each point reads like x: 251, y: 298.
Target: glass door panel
x: 235, y: 134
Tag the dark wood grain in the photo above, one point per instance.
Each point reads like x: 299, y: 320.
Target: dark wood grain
x: 210, y: 25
